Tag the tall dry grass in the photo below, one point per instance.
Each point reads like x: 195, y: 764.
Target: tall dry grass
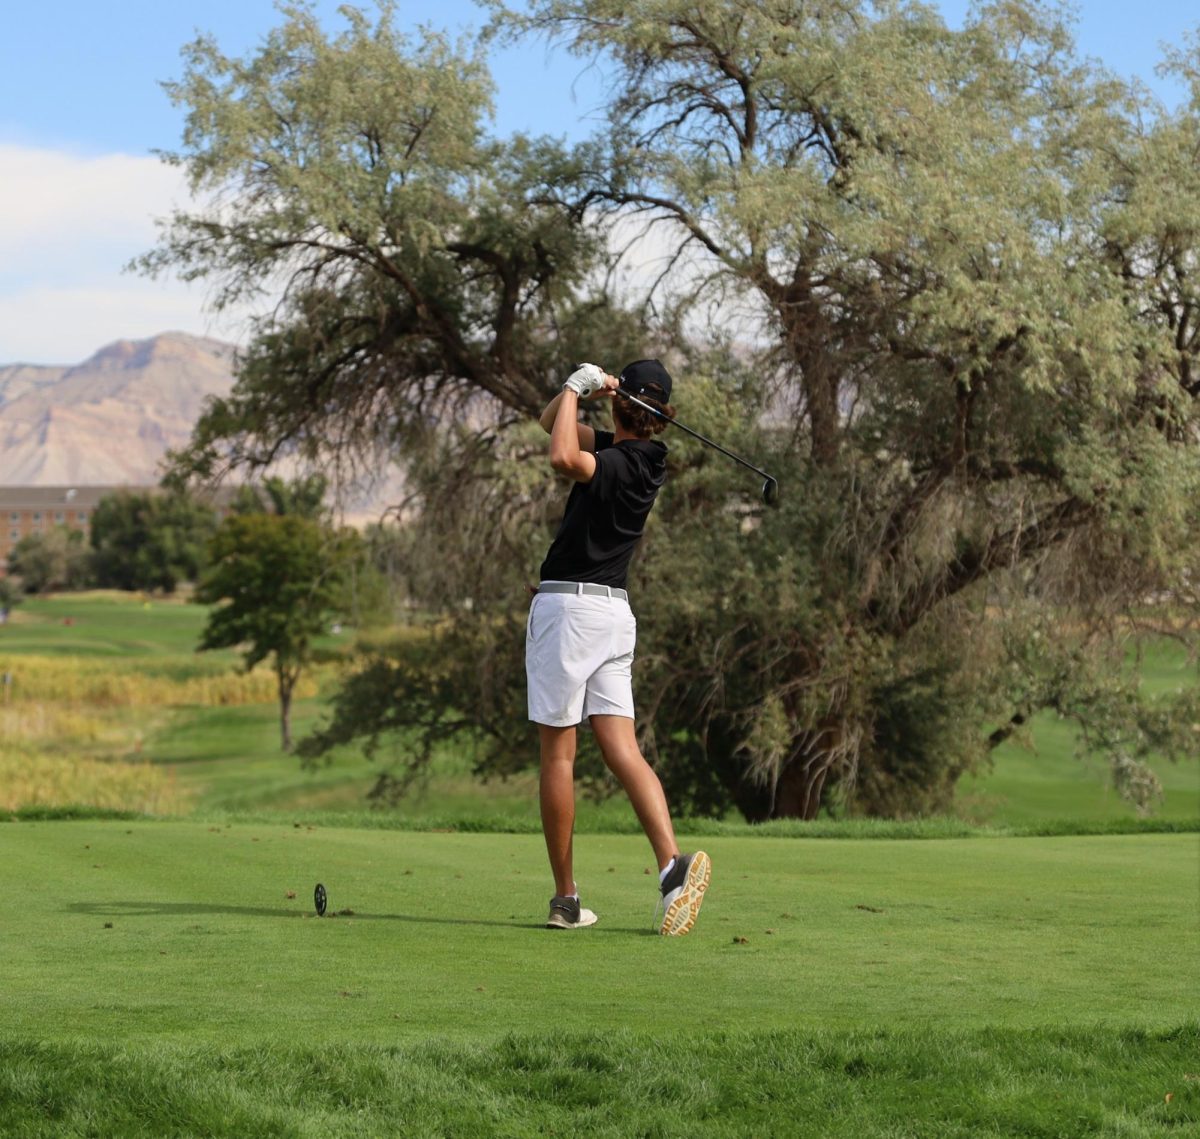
x: 104, y: 683
x: 71, y: 728
x: 36, y: 778
x: 48, y: 758
x: 43, y: 723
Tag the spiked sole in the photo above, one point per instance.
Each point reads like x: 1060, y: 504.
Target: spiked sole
x: 681, y: 913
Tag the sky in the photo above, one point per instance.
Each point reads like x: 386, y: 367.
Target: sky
x: 82, y: 114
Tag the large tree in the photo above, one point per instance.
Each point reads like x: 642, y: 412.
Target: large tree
x: 424, y: 271
x: 946, y: 300
x: 982, y: 356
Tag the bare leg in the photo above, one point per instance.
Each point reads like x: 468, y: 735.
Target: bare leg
x: 618, y: 743
x: 557, y: 794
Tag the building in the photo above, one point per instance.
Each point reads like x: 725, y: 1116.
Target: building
x: 39, y: 509
x: 28, y: 510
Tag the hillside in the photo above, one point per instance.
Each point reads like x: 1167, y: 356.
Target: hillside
x: 18, y: 379
x: 110, y: 419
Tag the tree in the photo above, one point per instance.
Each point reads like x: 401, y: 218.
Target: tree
x: 148, y: 541
x: 275, y: 582
x: 56, y: 559
x: 275, y: 495
x: 10, y: 594
x: 980, y: 394
x: 425, y: 272
x: 965, y: 342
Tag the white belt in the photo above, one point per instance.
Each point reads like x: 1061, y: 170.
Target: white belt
x: 583, y: 587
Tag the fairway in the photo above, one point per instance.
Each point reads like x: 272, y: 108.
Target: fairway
x: 853, y: 978
x: 184, y: 931
x: 228, y: 758
x: 162, y: 979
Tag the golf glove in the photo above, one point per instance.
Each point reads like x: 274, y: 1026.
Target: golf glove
x: 585, y: 380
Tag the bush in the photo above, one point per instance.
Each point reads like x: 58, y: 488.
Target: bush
x: 57, y: 559
x: 149, y: 541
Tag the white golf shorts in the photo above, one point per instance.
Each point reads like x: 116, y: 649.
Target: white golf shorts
x: 579, y: 658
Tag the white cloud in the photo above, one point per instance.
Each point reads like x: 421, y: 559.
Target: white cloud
x: 66, y: 325
x: 68, y: 226
x: 70, y: 223
x: 45, y: 193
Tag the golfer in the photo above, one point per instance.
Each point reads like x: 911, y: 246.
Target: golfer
x: 580, y: 635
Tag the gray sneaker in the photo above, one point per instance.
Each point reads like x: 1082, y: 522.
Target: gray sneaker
x: 683, y: 893
x: 567, y: 913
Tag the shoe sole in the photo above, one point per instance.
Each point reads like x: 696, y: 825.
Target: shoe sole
x: 586, y: 918
x: 681, y: 913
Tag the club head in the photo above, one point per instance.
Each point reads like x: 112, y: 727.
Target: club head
x: 320, y: 900
x: 770, y: 492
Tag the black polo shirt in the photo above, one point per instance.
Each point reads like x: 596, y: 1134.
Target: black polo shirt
x: 605, y: 517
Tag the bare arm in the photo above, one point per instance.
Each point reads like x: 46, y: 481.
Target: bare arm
x: 572, y: 444
x: 566, y: 454
x: 587, y: 437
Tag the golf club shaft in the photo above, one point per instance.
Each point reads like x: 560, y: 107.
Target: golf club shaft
x: 694, y: 434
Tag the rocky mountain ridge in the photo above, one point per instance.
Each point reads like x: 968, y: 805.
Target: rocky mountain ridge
x: 111, y: 419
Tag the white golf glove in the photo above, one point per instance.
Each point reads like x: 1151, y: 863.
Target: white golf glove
x: 585, y: 380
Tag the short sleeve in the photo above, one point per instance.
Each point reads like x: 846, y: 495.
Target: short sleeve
x: 611, y: 466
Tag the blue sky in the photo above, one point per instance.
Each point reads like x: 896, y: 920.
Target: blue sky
x: 81, y: 111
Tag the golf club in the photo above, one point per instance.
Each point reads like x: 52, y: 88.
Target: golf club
x: 770, y: 490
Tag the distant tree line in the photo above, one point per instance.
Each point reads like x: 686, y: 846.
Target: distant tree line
x: 275, y: 572
x: 158, y: 541
x: 139, y: 540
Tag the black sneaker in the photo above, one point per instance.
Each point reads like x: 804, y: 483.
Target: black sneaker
x: 567, y: 913
x: 683, y: 892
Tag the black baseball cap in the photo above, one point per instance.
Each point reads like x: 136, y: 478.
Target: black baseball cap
x: 646, y: 377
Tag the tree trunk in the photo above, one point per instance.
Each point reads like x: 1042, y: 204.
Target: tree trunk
x: 798, y: 792
x: 802, y: 780
x: 806, y: 337
x: 286, y: 684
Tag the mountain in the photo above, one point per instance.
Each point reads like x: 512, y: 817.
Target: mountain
x: 110, y: 420
x: 17, y: 379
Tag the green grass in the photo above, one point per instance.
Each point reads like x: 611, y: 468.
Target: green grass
x: 1045, y: 779
x: 159, y: 980
x: 1050, y: 781
x: 229, y: 759
x: 160, y: 634
x: 204, y: 943
x: 858, y: 1085
x: 105, y: 625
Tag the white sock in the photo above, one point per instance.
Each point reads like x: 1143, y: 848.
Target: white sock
x: 662, y: 874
